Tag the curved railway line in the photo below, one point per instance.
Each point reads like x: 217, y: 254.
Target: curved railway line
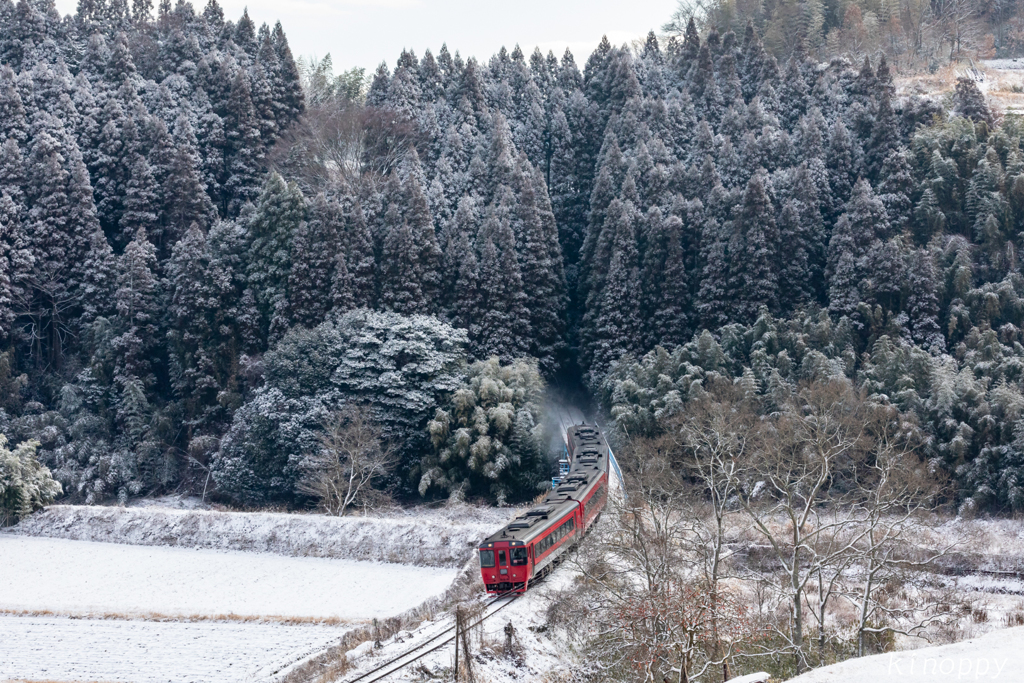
x: 566, y: 419
x: 382, y: 671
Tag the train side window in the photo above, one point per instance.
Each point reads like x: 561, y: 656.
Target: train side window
x: 518, y: 556
x: 486, y: 558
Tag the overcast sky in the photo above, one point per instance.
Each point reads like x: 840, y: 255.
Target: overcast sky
x: 365, y: 32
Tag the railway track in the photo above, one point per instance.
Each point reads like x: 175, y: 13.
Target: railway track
x: 393, y: 665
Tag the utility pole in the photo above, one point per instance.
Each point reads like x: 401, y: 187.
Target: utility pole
x: 458, y: 632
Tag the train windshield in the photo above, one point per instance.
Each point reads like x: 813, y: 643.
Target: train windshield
x: 486, y: 558
x: 518, y: 556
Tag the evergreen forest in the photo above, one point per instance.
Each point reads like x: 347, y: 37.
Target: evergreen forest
x: 207, y: 247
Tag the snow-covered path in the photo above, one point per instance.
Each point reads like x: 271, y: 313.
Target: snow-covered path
x: 59, y: 649
x: 83, y: 577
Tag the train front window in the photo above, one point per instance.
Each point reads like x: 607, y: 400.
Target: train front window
x: 518, y: 556
x: 486, y: 558
x: 501, y: 558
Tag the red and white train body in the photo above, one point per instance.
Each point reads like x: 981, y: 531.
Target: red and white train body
x: 531, y: 544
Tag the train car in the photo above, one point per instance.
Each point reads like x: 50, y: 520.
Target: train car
x: 531, y: 545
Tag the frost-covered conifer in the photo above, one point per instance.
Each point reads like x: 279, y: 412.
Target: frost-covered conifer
x: 271, y: 227
x: 361, y: 265
x: 192, y: 301
x: 400, y: 288
x: 138, y: 308
x: 13, y: 118
x: 140, y: 203
x: 754, y: 250
x: 540, y: 263
x: 244, y: 148
x: 970, y: 103
x: 842, y: 165
x: 502, y: 318
x: 185, y: 197
x: 885, y: 138
x: 713, y: 304
x: 612, y: 326
x: 315, y: 254
x: 426, y: 252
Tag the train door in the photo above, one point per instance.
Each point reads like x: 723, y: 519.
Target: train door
x: 503, y: 562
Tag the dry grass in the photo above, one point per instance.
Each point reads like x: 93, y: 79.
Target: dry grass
x: 941, y: 81
x: 334, y: 670
x: 155, y: 616
x: 1003, y: 88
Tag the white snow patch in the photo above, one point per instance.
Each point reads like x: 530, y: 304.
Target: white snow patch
x: 151, y: 652
x: 1004, y: 64
x: 39, y: 574
x: 995, y: 656
x: 759, y: 677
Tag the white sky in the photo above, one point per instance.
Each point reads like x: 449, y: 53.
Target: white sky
x: 365, y: 32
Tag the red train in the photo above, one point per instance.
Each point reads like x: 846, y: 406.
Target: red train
x: 531, y: 544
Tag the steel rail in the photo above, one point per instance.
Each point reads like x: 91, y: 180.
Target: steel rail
x: 419, y: 647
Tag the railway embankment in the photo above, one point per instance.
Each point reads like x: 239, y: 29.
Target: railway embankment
x: 428, y: 537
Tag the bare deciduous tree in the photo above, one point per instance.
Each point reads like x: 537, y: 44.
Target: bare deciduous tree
x: 714, y: 433
x: 806, y: 453
x: 340, y: 143
x: 659, y: 611
x: 350, y: 463
x: 896, y: 488
x: 954, y: 22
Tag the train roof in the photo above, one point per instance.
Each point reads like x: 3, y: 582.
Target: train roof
x: 589, y: 455
x: 529, y: 524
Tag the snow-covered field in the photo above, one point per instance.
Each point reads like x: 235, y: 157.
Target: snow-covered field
x: 83, y: 577
x: 995, y: 656
x: 180, y: 594
x: 61, y: 649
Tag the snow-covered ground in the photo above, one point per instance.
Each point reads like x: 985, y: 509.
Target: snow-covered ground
x: 61, y: 649
x: 83, y: 577
x: 538, y: 655
x: 160, y: 594
x: 995, y: 656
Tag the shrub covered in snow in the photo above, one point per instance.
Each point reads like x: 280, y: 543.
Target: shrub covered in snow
x: 400, y: 366
x: 25, y: 485
x: 489, y: 438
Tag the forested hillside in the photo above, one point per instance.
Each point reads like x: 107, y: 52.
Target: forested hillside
x: 916, y: 34
x: 187, y: 235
